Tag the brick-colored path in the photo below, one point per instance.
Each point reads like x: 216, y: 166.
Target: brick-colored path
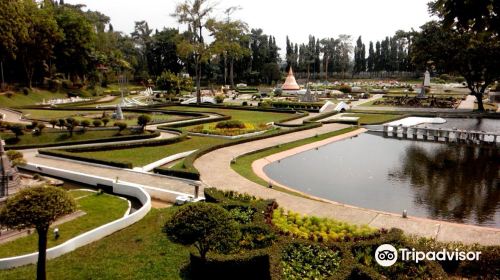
x: 216, y: 171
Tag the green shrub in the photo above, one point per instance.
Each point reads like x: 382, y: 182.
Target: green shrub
x: 445, y: 77
x: 206, y: 226
x: 26, y: 91
x: 231, y: 124
x: 218, y: 196
x: 302, y: 261
x: 345, y: 88
x: 256, y: 237
x: 219, y: 98
x: 242, y: 215
x: 67, y: 84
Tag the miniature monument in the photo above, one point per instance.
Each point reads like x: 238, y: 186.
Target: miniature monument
x: 290, y: 82
x: 9, y: 176
x: 426, y: 84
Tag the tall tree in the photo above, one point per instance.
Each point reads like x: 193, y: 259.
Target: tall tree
x: 328, y: 47
x: 229, y: 36
x: 371, y: 58
x: 73, y: 52
x: 37, y: 207
x: 472, y: 55
x: 478, y: 15
x: 195, y: 13
x: 43, y: 34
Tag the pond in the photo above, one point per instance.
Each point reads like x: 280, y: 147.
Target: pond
x: 451, y: 182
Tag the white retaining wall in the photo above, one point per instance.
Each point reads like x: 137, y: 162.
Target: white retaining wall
x: 121, y: 188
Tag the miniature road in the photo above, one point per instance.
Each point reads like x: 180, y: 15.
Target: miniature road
x: 363, y: 101
x: 147, y: 179
x: 226, y: 178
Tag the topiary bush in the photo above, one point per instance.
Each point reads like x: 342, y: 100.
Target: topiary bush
x: 219, y: 98
x: 345, y: 88
x: 207, y: 226
x: 231, y: 124
x: 319, y: 229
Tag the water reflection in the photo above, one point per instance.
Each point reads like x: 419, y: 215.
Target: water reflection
x: 457, y: 183
x: 434, y: 180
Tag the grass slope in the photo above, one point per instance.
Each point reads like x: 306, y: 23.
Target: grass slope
x: 145, y: 155
x: 140, y: 251
x: 63, y: 136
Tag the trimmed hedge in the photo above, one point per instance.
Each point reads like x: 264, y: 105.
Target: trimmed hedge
x: 82, y: 142
x: 357, y: 260
x: 297, y: 105
x: 67, y: 153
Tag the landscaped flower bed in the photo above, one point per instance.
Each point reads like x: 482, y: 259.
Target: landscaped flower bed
x: 319, y: 229
x: 229, y: 128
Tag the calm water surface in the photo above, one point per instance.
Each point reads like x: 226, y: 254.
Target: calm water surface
x: 440, y: 181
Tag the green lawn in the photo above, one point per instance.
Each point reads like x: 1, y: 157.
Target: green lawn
x: 36, y: 96
x: 99, y: 209
x: 375, y: 118
x: 63, y: 136
x: 246, y: 116
x: 140, y: 251
x: 146, y: 155
x: 130, y: 118
x: 243, y: 165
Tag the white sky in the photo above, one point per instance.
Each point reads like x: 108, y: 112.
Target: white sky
x: 372, y: 19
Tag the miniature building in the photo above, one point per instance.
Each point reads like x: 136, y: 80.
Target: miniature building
x: 290, y: 82
x: 9, y: 176
x: 309, y: 97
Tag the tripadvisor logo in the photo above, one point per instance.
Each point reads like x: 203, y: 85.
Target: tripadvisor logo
x: 387, y: 255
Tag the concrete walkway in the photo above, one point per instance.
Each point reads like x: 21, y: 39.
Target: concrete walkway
x: 12, y: 116
x: 226, y: 178
x: 364, y: 101
x: 125, y: 175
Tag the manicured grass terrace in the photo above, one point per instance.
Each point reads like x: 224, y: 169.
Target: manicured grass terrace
x: 141, y: 251
x: 145, y: 155
x: 63, y: 136
x: 130, y: 118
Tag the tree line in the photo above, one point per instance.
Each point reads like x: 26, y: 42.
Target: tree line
x: 45, y: 42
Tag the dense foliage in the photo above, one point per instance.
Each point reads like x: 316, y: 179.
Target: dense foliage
x: 301, y: 261
x: 206, y: 226
x: 37, y: 207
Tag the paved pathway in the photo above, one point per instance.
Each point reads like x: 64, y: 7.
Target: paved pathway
x: 147, y: 179
x: 226, y: 178
x: 13, y: 116
x: 363, y: 101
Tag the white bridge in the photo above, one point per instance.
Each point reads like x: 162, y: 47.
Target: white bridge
x: 441, y: 134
